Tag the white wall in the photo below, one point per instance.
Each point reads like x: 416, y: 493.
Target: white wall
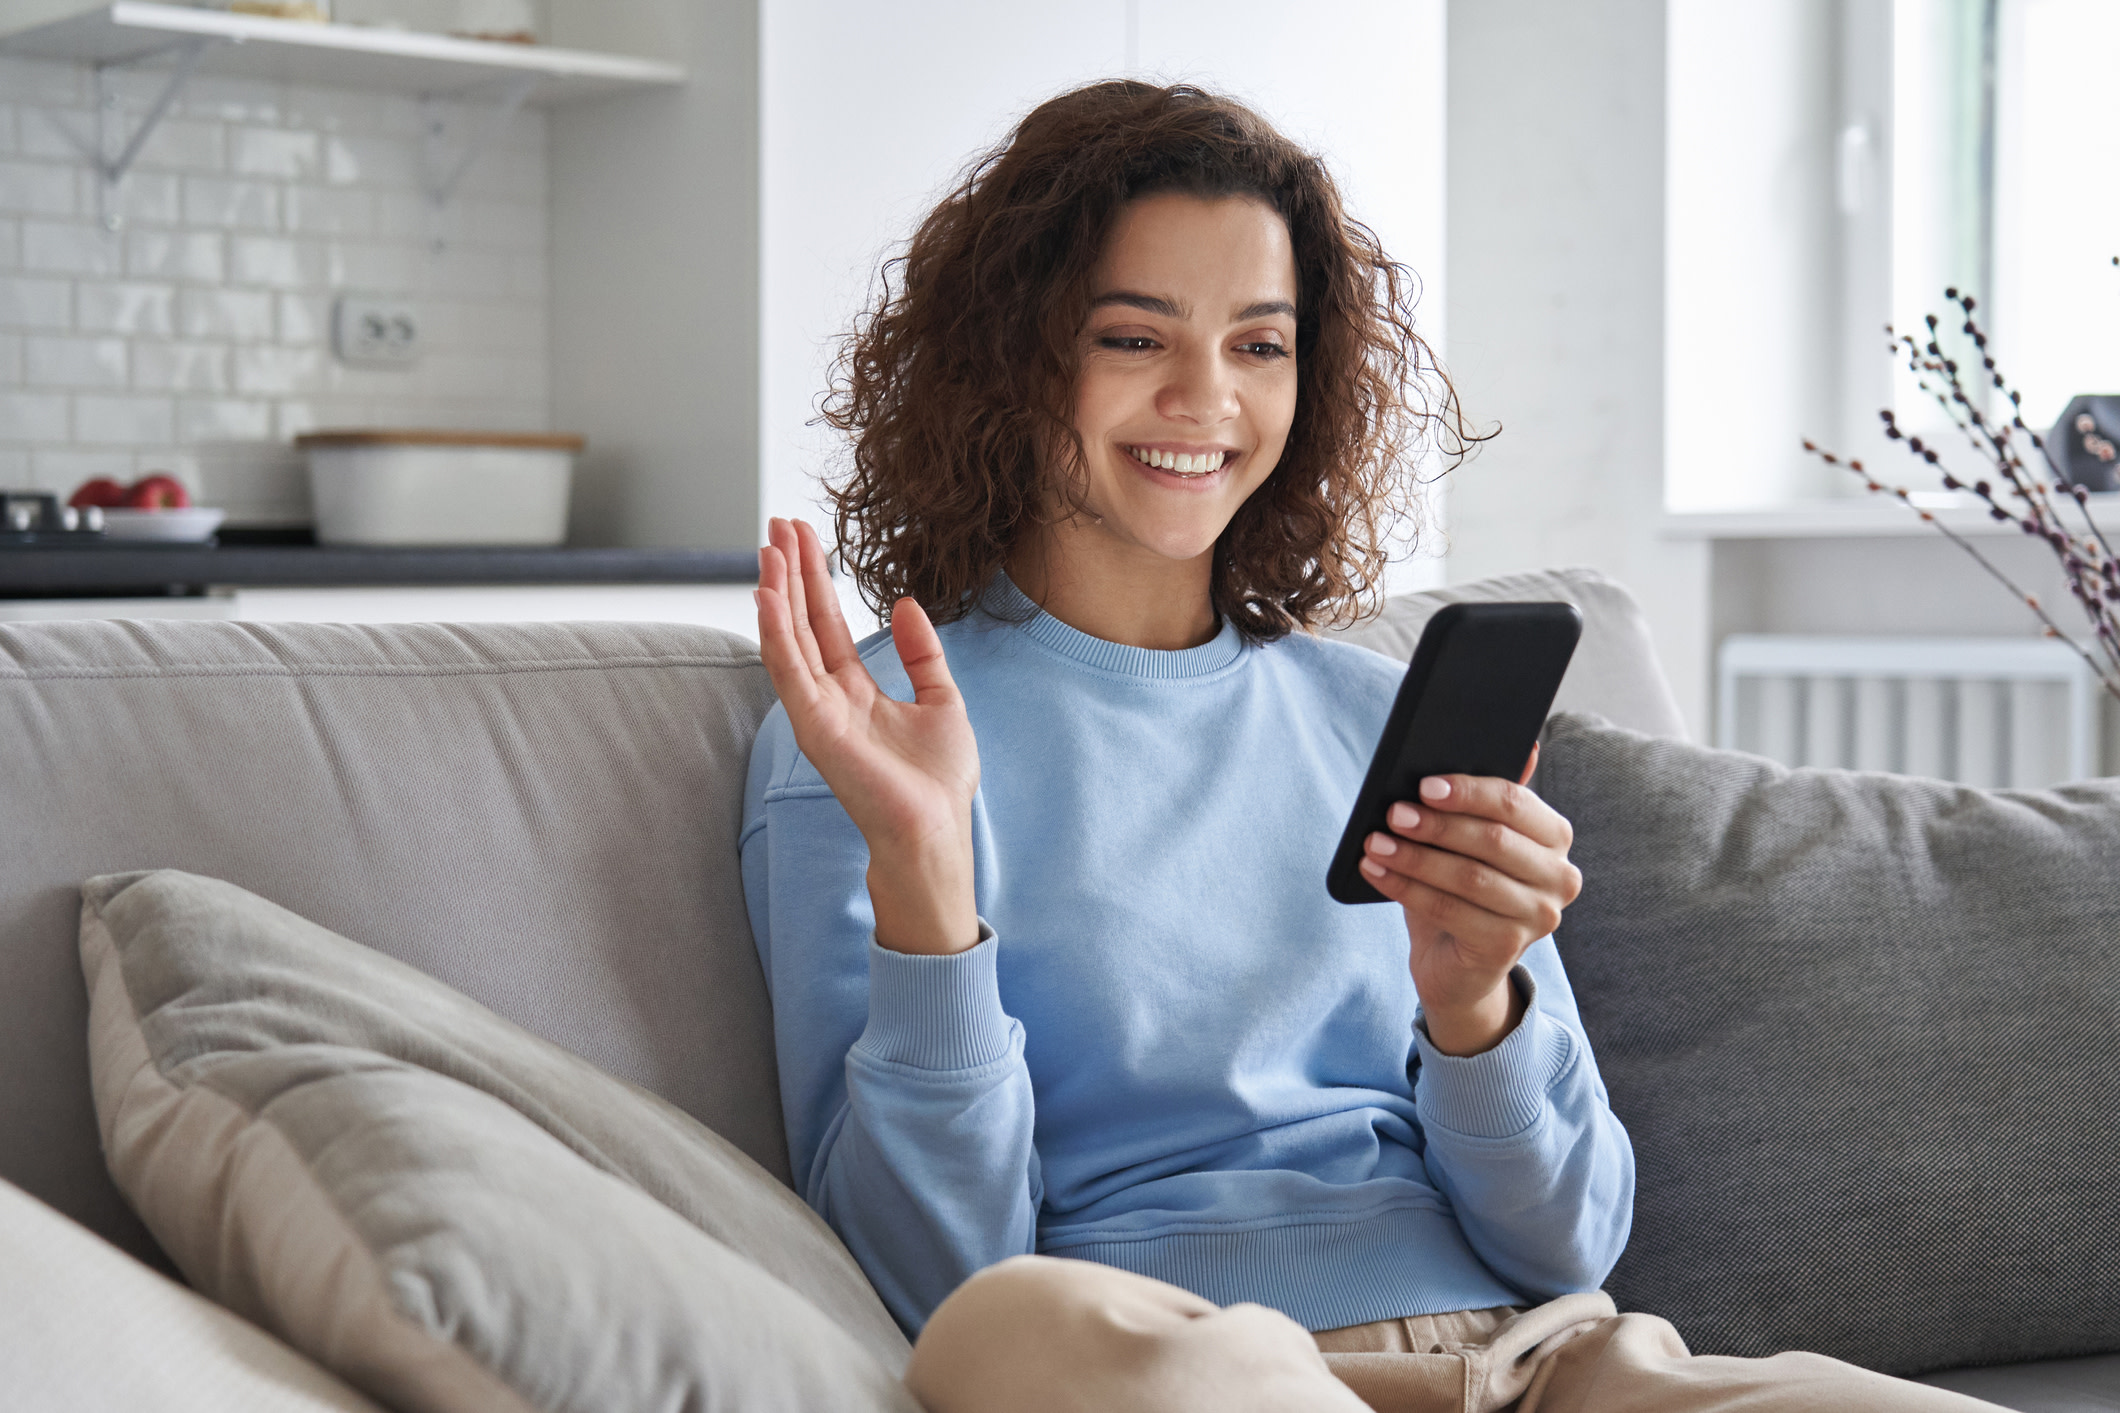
x: 870, y: 111
x: 1750, y: 241
x: 1555, y: 221
x: 655, y: 277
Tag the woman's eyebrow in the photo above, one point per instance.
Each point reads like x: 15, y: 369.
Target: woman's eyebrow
x: 1153, y: 303
x: 1171, y: 309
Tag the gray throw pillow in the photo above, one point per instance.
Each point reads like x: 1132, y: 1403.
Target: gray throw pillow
x: 444, y: 1209
x: 1865, y: 1032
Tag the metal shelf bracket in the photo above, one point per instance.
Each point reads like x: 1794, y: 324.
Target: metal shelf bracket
x: 443, y: 163
x: 109, y: 127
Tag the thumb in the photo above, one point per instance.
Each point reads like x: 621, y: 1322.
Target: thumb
x: 920, y: 652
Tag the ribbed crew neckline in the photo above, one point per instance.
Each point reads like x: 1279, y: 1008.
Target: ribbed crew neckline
x: 1006, y: 602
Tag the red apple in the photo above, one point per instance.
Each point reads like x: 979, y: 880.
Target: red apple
x: 101, y: 491
x: 157, y: 492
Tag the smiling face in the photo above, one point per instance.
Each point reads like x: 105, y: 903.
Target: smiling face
x: 1187, y: 384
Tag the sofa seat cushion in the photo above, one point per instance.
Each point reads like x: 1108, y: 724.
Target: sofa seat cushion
x: 1861, y: 1028
x: 446, y: 1210
x: 85, y: 1326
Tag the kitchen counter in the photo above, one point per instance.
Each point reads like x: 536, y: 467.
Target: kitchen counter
x: 135, y: 567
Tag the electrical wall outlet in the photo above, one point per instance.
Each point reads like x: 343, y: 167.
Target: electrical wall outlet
x: 375, y: 332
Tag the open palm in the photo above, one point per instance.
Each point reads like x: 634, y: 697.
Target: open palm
x: 905, y: 772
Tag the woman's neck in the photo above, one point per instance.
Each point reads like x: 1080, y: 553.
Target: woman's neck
x: 1118, y: 593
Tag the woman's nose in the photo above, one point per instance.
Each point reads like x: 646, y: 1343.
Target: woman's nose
x: 1200, y: 389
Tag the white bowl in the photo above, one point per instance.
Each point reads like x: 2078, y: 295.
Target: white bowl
x: 389, y: 487
x: 192, y: 523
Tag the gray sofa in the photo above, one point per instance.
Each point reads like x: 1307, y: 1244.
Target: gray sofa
x: 1863, y: 1126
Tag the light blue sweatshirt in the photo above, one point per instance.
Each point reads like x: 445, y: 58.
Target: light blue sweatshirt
x: 1171, y: 1051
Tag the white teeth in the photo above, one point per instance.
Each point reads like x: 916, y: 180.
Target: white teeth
x: 1182, y: 463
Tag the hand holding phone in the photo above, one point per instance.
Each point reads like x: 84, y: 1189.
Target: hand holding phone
x: 1478, y: 864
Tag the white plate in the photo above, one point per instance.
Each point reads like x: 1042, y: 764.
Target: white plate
x: 197, y: 522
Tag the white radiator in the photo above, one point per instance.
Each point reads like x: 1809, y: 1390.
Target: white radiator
x: 1984, y: 711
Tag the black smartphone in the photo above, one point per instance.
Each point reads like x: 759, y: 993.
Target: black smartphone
x: 1472, y: 703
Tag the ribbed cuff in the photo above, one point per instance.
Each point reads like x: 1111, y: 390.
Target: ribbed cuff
x: 936, y: 1013
x: 1497, y: 1093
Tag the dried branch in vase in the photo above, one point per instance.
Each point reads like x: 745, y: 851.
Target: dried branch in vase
x: 2027, y: 498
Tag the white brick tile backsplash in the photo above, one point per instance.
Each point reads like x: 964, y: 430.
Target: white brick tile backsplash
x: 177, y: 255
x: 501, y: 225
x: 30, y: 81
x: 182, y: 367
x: 331, y: 211
x: 63, y: 469
x: 366, y: 159
x: 238, y: 314
x: 51, y: 361
x: 197, y: 336
x: 36, y: 188
x: 233, y: 100
x: 129, y: 421
x: 374, y: 267
x: 184, y: 145
x: 223, y: 420
x: 54, y: 134
x: 32, y: 417
x: 71, y: 248
x: 274, y: 152
x: 334, y: 110
x: 30, y: 302
x: 232, y: 203
x: 264, y: 369
x: 115, y: 308
x: 278, y: 261
x: 142, y: 199
x: 305, y: 318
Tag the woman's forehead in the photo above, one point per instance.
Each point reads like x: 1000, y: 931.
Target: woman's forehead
x: 1207, y: 257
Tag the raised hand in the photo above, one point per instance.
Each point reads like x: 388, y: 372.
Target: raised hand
x: 904, y: 771
x: 1480, y: 867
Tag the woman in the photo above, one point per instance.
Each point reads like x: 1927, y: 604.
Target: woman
x: 1037, y: 877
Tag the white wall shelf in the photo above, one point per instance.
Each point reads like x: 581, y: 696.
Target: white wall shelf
x: 132, y: 32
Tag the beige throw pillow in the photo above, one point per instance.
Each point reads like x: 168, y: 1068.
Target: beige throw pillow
x: 445, y: 1209
x: 83, y: 1325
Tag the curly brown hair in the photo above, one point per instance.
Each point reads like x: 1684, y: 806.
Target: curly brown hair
x: 956, y: 385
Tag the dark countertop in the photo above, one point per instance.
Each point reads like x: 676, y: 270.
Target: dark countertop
x: 134, y: 567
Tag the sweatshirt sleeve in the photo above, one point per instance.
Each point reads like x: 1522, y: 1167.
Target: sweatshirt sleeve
x: 902, y: 1082
x: 1523, y: 1141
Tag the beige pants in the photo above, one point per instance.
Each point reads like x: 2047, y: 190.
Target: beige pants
x: 1038, y: 1335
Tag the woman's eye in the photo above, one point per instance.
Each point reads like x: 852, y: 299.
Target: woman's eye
x: 1265, y: 348
x: 1130, y: 343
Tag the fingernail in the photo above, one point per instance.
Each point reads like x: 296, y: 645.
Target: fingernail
x: 1372, y: 868
x: 758, y: 598
x: 1435, y: 787
x: 1383, y: 845
x: 1404, y: 816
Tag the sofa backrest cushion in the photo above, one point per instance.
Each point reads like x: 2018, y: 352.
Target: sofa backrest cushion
x: 1864, y: 1031
x: 541, y: 815
x: 1614, y: 673
x: 449, y: 1212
